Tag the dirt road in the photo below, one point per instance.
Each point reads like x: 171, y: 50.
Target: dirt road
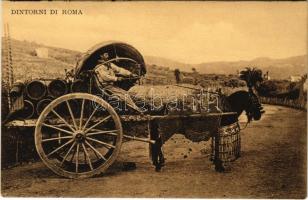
x: 273, y: 165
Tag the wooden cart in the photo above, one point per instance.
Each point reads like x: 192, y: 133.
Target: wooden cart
x: 80, y: 134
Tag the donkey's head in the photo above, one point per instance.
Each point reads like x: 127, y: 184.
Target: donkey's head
x: 246, y: 101
x: 252, y: 77
x: 254, y: 109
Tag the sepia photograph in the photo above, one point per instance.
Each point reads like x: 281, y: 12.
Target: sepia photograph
x: 157, y: 99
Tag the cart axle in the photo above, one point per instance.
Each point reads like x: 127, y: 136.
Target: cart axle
x: 139, y: 139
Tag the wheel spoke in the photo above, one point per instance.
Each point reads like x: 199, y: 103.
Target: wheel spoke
x: 111, y: 132
x: 73, y: 155
x: 71, y: 113
x: 93, y: 148
x: 68, y: 152
x: 98, y: 123
x: 57, y: 138
x: 81, y: 114
x: 96, y: 155
x: 87, y: 155
x: 60, y: 147
x: 67, y: 124
x: 77, y: 157
x: 86, y: 124
x: 59, y: 125
x: 59, y: 135
x: 57, y: 128
x: 103, y: 143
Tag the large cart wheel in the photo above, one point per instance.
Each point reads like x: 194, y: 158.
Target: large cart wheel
x: 78, y: 135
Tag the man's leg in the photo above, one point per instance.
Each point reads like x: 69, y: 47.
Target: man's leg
x: 124, y: 96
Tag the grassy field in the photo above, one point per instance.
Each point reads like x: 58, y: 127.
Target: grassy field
x: 27, y: 65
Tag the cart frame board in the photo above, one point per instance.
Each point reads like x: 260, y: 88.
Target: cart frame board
x: 77, y: 138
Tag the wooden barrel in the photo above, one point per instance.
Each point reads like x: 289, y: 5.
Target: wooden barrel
x: 57, y: 88
x: 36, y: 90
x: 41, y: 105
x: 28, y: 111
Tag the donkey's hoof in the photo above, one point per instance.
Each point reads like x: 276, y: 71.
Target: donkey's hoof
x: 158, y: 168
x: 223, y: 167
x: 219, y: 168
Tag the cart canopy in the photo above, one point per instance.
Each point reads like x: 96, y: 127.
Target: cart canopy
x: 121, y: 54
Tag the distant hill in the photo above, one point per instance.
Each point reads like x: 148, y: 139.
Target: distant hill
x: 160, y: 61
x: 25, y: 59
x: 278, y: 68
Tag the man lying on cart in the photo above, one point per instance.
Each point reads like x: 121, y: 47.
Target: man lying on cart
x: 107, y: 73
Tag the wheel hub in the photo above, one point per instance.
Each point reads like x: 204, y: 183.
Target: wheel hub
x: 80, y: 137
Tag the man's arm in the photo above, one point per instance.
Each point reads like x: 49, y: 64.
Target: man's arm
x: 120, y: 71
x: 103, y: 75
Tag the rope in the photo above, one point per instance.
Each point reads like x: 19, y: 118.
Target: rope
x: 9, y: 58
x: 9, y: 65
x: 245, y: 126
x: 194, y: 89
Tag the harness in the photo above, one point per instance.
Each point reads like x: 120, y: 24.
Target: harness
x: 254, y: 103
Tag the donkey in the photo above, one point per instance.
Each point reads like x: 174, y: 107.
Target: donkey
x: 237, y: 102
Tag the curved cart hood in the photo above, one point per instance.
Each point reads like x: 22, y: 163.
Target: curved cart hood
x: 115, y: 49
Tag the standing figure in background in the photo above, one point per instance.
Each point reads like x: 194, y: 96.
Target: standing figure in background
x: 177, y: 75
x: 195, y: 75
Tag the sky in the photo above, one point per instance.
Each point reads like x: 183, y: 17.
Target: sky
x: 188, y: 32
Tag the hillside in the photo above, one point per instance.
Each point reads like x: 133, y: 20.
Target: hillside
x: 278, y: 68
x: 25, y: 59
x: 28, y: 65
x: 172, y: 64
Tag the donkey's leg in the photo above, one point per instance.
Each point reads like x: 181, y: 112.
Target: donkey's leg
x: 161, y: 158
x: 156, y: 149
x: 219, y: 167
x: 153, y: 129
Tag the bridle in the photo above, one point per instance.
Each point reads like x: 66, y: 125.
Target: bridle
x: 253, y: 106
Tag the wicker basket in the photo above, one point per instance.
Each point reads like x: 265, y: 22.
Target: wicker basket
x: 226, y: 144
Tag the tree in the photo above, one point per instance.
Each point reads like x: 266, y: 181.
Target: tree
x: 252, y: 77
